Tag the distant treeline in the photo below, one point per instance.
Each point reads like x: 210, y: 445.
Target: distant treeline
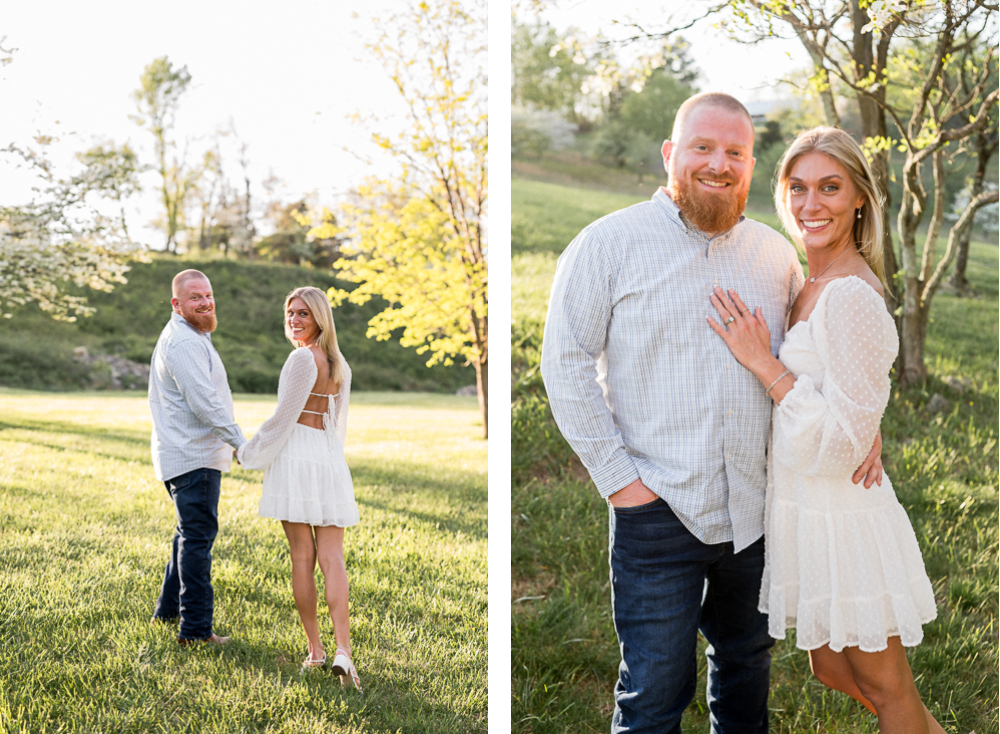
x: 37, y: 352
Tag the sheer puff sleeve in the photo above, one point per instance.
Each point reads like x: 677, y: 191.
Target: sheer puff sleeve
x: 297, y: 379
x: 829, y: 430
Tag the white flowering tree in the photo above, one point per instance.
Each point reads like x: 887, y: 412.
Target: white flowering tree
x: 67, y: 235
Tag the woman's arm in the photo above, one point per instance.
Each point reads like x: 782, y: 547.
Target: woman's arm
x: 297, y: 379
x: 748, y: 338
x: 831, y: 430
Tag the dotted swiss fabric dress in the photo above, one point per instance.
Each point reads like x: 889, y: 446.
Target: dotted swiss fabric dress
x: 306, y: 478
x: 842, y: 562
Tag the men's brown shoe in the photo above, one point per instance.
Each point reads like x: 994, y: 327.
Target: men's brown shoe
x: 214, y: 639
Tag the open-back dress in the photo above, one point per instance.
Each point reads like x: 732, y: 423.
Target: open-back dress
x: 306, y: 478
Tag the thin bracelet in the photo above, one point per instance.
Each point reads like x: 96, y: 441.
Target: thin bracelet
x: 780, y: 377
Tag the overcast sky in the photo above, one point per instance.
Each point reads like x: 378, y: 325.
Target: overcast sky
x: 286, y: 74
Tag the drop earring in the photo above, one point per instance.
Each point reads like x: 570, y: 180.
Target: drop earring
x: 859, y: 214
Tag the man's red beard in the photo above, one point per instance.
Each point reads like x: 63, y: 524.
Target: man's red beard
x: 710, y: 213
x: 203, y: 322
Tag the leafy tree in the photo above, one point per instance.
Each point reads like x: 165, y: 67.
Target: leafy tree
x: 652, y: 110
x: 546, y: 76
x: 870, y: 47
x: 419, y: 240
x: 626, y: 147
x: 161, y: 87
x: 293, y: 240
x: 64, y: 237
x: 942, y: 112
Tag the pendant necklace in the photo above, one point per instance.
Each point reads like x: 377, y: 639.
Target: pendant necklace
x: 813, y: 279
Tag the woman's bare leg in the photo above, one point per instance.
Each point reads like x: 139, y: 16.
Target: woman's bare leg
x: 330, y: 550
x: 833, y: 671
x: 303, y: 551
x: 885, y: 679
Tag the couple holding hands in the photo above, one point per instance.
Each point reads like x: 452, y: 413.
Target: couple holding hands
x: 728, y: 409
x: 307, y: 484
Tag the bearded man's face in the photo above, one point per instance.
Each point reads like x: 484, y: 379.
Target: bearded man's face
x: 711, y: 167
x: 196, y: 303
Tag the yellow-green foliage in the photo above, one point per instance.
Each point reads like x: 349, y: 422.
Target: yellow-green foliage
x: 418, y: 240
x: 405, y: 251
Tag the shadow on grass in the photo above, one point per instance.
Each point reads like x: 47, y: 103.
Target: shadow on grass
x: 475, y: 529
x: 131, y: 439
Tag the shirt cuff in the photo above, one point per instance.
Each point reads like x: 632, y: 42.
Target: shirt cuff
x: 615, y: 475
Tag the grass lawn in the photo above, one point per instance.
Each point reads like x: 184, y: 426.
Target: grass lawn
x: 944, y: 468
x: 85, y: 534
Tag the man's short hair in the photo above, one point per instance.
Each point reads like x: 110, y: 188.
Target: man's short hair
x: 181, y: 279
x: 716, y: 99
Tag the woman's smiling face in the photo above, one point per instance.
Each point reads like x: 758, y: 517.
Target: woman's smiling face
x: 823, y: 200
x: 301, y: 323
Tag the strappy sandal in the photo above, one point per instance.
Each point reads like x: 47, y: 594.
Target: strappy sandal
x: 343, y: 667
x: 311, y: 664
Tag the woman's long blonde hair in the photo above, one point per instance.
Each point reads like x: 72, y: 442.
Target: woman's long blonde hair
x: 842, y: 148
x: 318, y: 305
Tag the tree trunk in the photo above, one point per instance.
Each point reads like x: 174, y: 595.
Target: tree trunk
x: 482, y: 390
x: 867, y: 58
x: 914, y: 334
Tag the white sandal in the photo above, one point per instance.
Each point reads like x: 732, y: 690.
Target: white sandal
x: 343, y: 667
x: 311, y: 664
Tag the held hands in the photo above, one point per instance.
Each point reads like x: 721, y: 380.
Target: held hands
x: 236, y: 458
x: 744, y: 332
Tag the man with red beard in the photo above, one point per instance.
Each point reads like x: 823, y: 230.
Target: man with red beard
x: 672, y: 429
x: 193, y: 430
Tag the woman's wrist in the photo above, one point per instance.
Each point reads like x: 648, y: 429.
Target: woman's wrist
x: 767, y: 370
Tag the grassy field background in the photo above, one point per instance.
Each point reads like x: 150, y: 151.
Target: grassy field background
x: 85, y: 534
x: 943, y: 466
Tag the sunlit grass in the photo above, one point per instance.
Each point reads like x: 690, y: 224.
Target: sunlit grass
x: 943, y: 466
x: 85, y: 534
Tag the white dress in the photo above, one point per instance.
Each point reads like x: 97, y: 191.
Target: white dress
x: 306, y: 478
x: 842, y: 563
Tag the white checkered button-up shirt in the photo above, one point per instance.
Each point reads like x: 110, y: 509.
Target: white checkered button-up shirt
x: 640, y: 385
x: 192, y: 407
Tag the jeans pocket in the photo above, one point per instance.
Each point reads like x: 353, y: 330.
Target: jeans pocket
x: 638, y: 508
x: 181, y: 481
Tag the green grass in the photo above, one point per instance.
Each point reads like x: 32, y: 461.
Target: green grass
x: 944, y: 468
x: 36, y: 352
x: 85, y: 534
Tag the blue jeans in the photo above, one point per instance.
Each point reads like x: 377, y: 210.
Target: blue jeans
x: 187, y: 583
x: 665, y: 586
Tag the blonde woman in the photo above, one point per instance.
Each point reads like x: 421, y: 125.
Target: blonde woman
x: 307, y: 484
x: 842, y: 563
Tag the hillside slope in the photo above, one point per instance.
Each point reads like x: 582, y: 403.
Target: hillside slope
x: 37, y: 352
